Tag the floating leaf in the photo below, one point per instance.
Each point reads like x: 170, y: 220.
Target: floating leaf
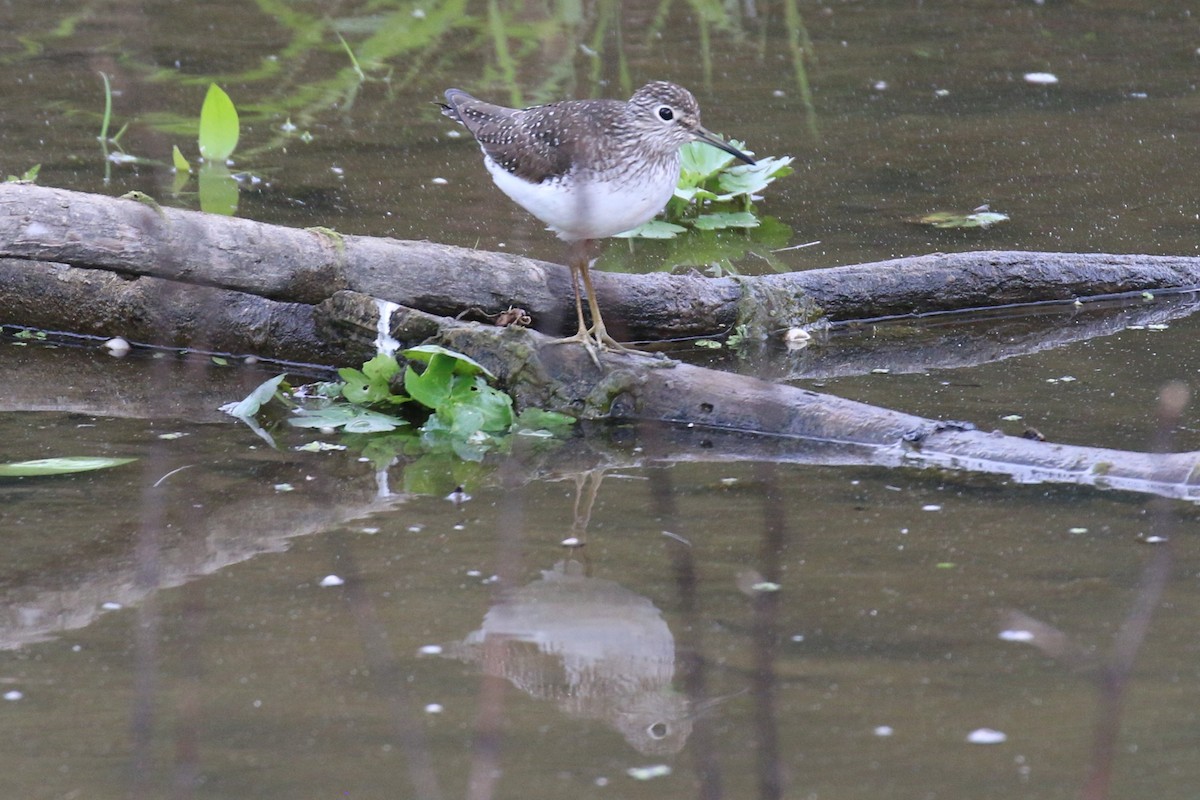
x: 725, y: 219
x: 218, y: 125
x: 951, y: 219
x: 654, y: 229
x: 352, y: 419
x: 64, y: 465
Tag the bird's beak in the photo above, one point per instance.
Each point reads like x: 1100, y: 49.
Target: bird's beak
x: 708, y: 137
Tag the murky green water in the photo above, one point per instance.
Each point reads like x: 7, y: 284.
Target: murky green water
x: 164, y: 626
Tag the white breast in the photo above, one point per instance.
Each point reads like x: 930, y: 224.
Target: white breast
x: 584, y: 208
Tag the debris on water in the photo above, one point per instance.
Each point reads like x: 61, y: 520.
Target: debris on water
x: 796, y: 338
x: 284, y: 487
x: 986, y: 736
x: 677, y: 538
x: 1077, y: 531
x: 117, y: 346
x: 883, y: 730
x: 1149, y: 538
x: 332, y: 580
x: 111, y: 606
x: 751, y: 582
x: 931, y: 507
x: 1014, y: 635
x: 434, y: 708
x: 1041, y: 78
x: 13, y: 695
x: 430, y: 650
x: 648, y: 773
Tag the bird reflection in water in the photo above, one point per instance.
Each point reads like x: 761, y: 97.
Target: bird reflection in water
x: 594, y: 648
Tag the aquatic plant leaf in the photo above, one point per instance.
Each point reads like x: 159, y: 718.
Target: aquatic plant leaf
x: 261, y: 395
x: 63, y: 465
x: 431, y: 388
x: 654, y: 229
x: 725, y: 219
x: 352, y: 419
x: 180, y: 163
x: 218, y: 125
x: 465, y: 365
x: 698, y: 160
x: 752, y: 179
x: 372, y: 383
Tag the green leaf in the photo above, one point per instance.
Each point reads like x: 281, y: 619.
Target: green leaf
x: 698, y: 161
x: 465, y: 364
x: 748, y: 180
x: 431, y: 388
x: 255, y: 400
x: 181, y: 164
x: 218, y: 125
x: 382, y: 367
x: 654, y: 229
x: 371, y: 384
x: 725, y: 219
x: 64, y: 465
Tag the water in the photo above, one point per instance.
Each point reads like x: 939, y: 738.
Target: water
x: 165, y: 625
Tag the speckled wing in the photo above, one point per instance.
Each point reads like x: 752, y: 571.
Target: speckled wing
x: 524, y: 142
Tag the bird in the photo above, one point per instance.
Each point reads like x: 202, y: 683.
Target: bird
x: 588, y: 169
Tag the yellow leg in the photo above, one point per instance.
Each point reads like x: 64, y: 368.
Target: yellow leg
x: 597, y: 335
x: 598, y: 331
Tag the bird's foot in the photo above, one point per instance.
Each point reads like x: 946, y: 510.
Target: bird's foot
x: 584, y: 337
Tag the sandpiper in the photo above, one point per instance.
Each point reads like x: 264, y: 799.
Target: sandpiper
x: 588, y: 168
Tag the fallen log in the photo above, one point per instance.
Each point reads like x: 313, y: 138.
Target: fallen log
x: 41, y: 226
x: 212, y: 280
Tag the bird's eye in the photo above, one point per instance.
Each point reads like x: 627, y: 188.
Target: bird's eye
x: 665, y: 113
x: 659, y: 729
